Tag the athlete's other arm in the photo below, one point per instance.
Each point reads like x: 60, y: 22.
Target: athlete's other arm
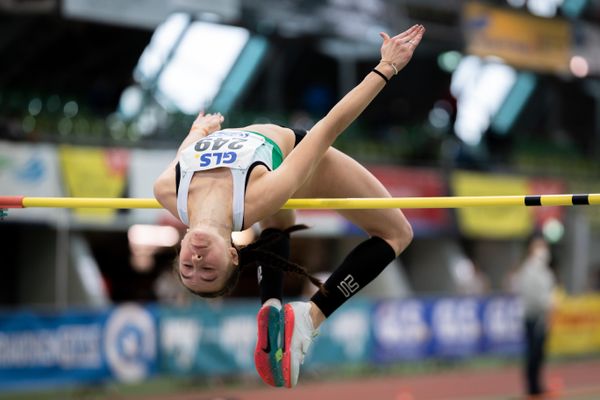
x: 203, y: 125
x: 164, y: 186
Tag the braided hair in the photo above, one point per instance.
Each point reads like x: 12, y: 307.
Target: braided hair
x: 256, y: 254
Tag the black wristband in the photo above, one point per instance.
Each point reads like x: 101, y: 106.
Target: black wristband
x: 381, y: 75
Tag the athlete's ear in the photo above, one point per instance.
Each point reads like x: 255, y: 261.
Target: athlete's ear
x: 235, y: 258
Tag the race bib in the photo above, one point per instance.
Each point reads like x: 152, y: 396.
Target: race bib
x: 231, y: 149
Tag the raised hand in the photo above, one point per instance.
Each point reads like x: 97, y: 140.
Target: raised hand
x: 207, y: 123
x: 398, y: 50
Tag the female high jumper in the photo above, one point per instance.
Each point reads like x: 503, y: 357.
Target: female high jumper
x: 226, y: 180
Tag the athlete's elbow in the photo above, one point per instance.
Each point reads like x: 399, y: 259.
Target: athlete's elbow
x: 159, y: 190
x: 407, y: 235
x: 402, y: 237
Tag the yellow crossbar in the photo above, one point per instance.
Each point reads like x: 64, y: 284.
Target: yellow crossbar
x: 338, y: 204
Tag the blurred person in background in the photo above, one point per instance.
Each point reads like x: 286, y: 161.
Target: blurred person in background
x: 264, y: 166
x: 534, y: 283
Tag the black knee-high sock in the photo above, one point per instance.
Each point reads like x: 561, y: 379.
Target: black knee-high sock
x: 360, y: 267
x: 271, y: 280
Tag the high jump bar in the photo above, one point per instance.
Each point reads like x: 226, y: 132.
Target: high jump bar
x: 326, y: 203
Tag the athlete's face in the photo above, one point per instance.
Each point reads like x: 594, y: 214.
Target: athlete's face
x: 206, y: 261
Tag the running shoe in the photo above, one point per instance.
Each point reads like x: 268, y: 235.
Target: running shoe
x: 299, y: 334
x: 267, y: 355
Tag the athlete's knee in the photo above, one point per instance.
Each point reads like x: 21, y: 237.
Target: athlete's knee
x: 399, y: 235
x: 406, y: 236
x: 281, y: 220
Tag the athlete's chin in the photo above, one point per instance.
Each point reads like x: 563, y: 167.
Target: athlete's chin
x: 199, y: 238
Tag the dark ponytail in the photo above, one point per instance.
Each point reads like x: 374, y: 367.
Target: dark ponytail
x: 255, y: 254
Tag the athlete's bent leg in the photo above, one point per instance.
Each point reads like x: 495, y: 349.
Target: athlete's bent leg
x: 267, y: 354
x: 339, y: 176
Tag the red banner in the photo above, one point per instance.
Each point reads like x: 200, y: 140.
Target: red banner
x: 547, y: 186
x: 416, y: 182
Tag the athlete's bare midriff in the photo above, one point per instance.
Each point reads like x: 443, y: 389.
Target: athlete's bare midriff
x: 284, y: 137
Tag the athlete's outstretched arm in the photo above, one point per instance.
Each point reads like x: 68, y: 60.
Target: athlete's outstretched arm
x: 396, y: 52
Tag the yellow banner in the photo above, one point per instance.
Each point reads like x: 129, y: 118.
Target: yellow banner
x: 575, y: 326
x: 94, y: 172
x: 522, y: 40
x: 492, y: 222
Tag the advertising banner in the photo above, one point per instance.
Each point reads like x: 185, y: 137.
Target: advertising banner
x: 416, y: 182
x: 520, y: 39
x: 208, y: 340
x: 455, y: 327
x: 76, y: 347
x: 502, y: 325
x: 452, y: 327
x: 144, y: 168
x: 345, y: 337
x: 94, y: 172
x: 216, y: 340
x: 400, y: 182
x: 575, y: 325
x: 492, y: 222
x: 401, y: 330
x: 547, y: 186
x: 132, y: 342
x: 29, y: 170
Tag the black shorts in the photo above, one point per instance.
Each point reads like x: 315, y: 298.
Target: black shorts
x: 299, y: 135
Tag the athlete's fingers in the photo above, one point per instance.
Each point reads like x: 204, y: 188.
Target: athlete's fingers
x: 415, y: 38
x: 407, y: 32
x: 385, y: 36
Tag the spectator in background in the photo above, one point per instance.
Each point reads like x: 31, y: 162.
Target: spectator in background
x: 534, y: 283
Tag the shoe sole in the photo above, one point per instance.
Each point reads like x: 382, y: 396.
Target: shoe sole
x: 288, y: 330
x: 268, y: 364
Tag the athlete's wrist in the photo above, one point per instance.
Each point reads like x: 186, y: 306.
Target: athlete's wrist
x: 386, y: 69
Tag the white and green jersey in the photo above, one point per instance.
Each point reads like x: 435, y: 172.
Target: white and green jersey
x: 237, y: 150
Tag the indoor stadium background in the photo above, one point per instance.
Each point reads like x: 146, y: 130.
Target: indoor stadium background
x: 502, y: 97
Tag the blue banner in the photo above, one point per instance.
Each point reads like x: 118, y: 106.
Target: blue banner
x: 76, y: 347
x: 455, y: 326
x: 212, y: 340
x: 452, y: 327
x: 208, y: 339
x: 132, y: 342
x: 502, y: 324
x: 401, y: 330
x: 345, y: 337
